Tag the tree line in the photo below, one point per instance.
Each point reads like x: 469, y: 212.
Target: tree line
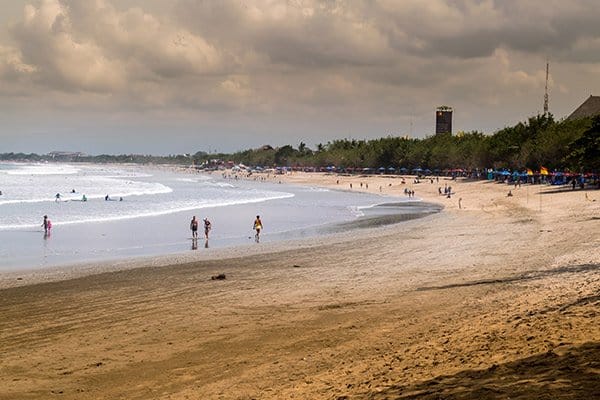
x: 539, y: 141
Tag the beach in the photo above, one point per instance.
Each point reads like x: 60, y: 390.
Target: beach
x: 496, y: 298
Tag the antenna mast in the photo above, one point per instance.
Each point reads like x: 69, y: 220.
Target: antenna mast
x: 546, y: 91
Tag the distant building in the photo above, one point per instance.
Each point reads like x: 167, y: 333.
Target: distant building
x: 589, y: 108
x: 443, y: 120
x: 66, y: 155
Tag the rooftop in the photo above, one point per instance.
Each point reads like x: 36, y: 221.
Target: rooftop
x: 589, y: 108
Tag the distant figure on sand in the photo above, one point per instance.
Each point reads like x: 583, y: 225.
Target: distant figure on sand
x: 47, y: 224
x: 194, y: 227
x: 258, y: 225
x: 207, y: 227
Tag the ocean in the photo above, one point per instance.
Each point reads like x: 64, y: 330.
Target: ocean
x: 134, y: 211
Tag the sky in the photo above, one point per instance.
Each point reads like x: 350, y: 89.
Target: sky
x: 181, y: 76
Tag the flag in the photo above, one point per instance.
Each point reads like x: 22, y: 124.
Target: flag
x: 529, y: 172
x: 543, y: 171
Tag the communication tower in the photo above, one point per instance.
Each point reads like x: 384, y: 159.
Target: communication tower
x: 546, y: 91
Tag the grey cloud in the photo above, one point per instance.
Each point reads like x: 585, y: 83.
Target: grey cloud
x: 298, y: 59
x: 541, y: 27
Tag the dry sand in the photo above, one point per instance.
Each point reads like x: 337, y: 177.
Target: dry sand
x: 497, y: 299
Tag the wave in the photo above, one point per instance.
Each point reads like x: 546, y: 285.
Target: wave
x: 317, y: 189
x: 153, y: 213
x: 41, y: 169
x: 160, y: 189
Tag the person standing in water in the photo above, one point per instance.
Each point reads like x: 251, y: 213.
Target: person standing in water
x: 47, y: 225
x: 207, y: 227
x: 194, y: 227
x: 258, y: 225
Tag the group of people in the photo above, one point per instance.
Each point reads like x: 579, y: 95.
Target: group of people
x: 257, y: 226
x: 447, y: 191
x: 194, y: 225
x: 47, y: 225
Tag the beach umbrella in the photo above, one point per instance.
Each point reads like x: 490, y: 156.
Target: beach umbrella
x: 403, y: 169
x: 391, y: 169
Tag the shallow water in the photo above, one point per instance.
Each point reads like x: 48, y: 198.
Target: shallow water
x: 153, y: 217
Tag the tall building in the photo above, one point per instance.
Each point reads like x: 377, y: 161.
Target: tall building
x: 443, y: 120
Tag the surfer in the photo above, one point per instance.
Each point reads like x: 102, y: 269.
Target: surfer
x: 258, y: 225
x: 57, y: 197
x: 194, y: 227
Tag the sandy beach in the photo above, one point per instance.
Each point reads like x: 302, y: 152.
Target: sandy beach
x: 496, y: 298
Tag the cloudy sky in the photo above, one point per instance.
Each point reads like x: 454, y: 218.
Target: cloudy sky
x: 165, y: 77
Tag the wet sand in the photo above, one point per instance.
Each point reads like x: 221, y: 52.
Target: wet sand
x: 497, y: 299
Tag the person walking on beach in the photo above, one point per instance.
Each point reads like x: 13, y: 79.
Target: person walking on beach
x: 207, y: 227
x: 194, y: 227
x: 258, y: 225
x: 47, y: 225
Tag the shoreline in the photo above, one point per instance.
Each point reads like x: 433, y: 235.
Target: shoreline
x: 340, y: 231
x: 337, y: 233
x: 496, y: 296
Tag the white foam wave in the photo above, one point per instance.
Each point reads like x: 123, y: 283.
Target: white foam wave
x: 42, y: 169
x: 356, y: 211
x: 157, y: 188
x: 318, y: 189
x: 164, y: 211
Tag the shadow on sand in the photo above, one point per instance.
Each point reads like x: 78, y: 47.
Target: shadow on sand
x: 572, y: 374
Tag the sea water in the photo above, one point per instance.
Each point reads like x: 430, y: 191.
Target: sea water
x: 139, y: 211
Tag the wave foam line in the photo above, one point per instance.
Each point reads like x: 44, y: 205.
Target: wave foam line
x: 151, y: 214
x: 163, y: 190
